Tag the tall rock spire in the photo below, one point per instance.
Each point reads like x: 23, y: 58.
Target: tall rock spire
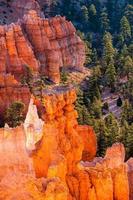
x: 33, y: 126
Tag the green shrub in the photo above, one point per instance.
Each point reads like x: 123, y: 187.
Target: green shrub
x: 14, y: 114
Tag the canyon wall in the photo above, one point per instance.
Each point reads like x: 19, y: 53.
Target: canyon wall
x: 61, y: 154
x: 44, y: 45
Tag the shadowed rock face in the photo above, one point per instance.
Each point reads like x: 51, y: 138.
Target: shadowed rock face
x: 12, y: 10
x: 44, y: 45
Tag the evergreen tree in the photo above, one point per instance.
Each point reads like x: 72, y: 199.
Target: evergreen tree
x: 88, y: 51
x: 113, y: 129
x: 84, y: 116
x: 130, y: 50
x: 111, y: 74
x: 108, y: 50
x: 125, y: 28
x: 14, y: 114
x: 119, y: 102
x: 102, y: 136
x: 94, y: 55
x: 127, y: 112
x: 93, y: 90
x: 128, y: 66
x: 124, y: 50
x: 96, y: 108
x: 124, y: 130
x: 129, y: 142
x: 129, y: 13
x: 104, y: 22
x: 85, y: 13
x: 93, y: 17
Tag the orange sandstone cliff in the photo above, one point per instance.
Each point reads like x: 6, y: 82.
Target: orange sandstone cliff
x: 45, y: 45
x: 60, y: 163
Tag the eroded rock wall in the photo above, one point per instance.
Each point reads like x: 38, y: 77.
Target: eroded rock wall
x: 44, y: 45
x: 62, y: 158
x: 70, y: 149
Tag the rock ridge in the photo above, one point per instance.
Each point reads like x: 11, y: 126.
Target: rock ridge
x: 45, y: 45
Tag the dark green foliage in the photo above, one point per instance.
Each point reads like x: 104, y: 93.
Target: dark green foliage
x: 102, y: 133
x: 129, y: 141
x: 128, y: 66
x: 64, y: 76
x: 105, y: 106
x: 104, y: 22
x: 27, y: 78
x: 110, y: 74
x: 119, y: 102
x: 84, y: 116
x: 14, y: 114
x: 127, y: 112
x: 108, y: 49
x: 125, y: 28
x: 106, y: 29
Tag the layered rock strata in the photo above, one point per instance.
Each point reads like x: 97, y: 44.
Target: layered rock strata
x: 44, y: 45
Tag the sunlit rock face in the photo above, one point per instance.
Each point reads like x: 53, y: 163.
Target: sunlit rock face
x: 13, y: 154
x: 33, y: 127
x: 130, y: 176
x: 108, y: 175
x: 65, y: 146
x: 44, y: 45
x: 60, y: 158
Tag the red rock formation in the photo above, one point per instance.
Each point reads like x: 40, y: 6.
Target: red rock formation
x: 64, y: 146
x: 44, y: 45
x: 90, y: 143
x: 57, y: 157
x: 130, y: 176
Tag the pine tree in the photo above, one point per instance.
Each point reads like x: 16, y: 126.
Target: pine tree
x: 85, y: 13
x: 94, y: 55
x: 128, y: 66
x: 108, y: 50
x: 125, y: 28
x: 102, y: 136
x: 93, y: 17
x: 113, y: 129
x: 127, y: 112
x: 93, y: 89
x: 129, y: 13
x: 96, y: 108
x: 110, y: 74
x: 129, y: 142
x: 104, y: 22
x: 124, y: 129
x: 14, y: 114
x: 88, y: 50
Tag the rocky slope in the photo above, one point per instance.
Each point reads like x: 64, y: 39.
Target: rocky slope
x: 43, y: 45
x: 61, y: 155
